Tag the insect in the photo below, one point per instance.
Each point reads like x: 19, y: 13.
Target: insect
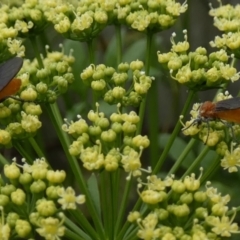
x: 8, y: 84
x: 228, y: 110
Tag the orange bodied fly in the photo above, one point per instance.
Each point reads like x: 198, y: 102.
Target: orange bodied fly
x: 8, y: 84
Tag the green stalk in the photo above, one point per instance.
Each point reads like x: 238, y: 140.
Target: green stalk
x: 122, y: 210
x: 36, y: 147
x: 197, y: 161
x: 147, y: 67
x: 182, y: 157
x: 210, y: 169
x: 91, y: 52
x: 36, y: 51
x: 56, y: 120
x: 73, y: 236
x: 79, y: 217
x: 119, y: 43
x: 23, y: 152
x: 174, y: 134
x: 114, y: 182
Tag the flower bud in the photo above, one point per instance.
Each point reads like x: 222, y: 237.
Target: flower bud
x: 25, y: 178
x: 141, y: 141
x: 11, y: 171
x: 23, y: 228
x: 162, y: 214
x: 123, y: 67
x: 98, y: 74
x: 30, y: 123
x: 186, y: 198
x: 129, y: 128
x: 118, y: 92
x: 32, y: 109
x: 120, y: 78
x: 56, y: 176
x: 43, y: 73
x: 11, y: 219
x: 178, y: 186
x: 4, y: 200
x: 181, y: 210
x: 46, y: 208
x: 5, y: 137
x: 152, y: 197
x: 28, y: 95
x: 52, y: 192
x: 94, y: 130
x: 116, y: 127
x: 37, y: 186
x: 4, y: 112
x: 200, y: 196
x: 8, y: 189
x: 98, y: 85
x: 108, y: 136
x: 100, y: 16
x: 18, y: 197
x: 116, y: 117
x: 201, y: 212
x: 133, y: 216
x: 136, y: 65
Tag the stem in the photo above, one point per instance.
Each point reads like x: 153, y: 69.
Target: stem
x: 36, y: 147
x: 56, y: 119
x: 182, y: 157
x: 147, y: 67
x: 91, y: 52
x: 79, y: 217
x: 23, y: 152
x: 36, y: 51
x: 197, y: 161
x: 119, y: 43
x: 211, y: 169
x: 122, y: 208
x: 174, y: 134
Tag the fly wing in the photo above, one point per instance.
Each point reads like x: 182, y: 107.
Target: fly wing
x: 228, y: 104
x: 9, y: 69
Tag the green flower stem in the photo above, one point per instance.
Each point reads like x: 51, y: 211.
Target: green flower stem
x: 147, y: 67
x: 174, y: 134
x: 182, y: 157
x: 122, y: 208
x: 36, y: 51
x: 115, y: 185
x: 92, y: 61
x: 196, y: 162
x: 86, y: 226
x: 107, y: 202
x: 132, y: 234
x: 23, y: 151
x: 36, y: 147
x: 56, y: 119
x: 211, y: 169
x: 103, y: 196
x: 152, y: 103
x: 153, y: 123
x: 73, y: 236
x: 3, y: 160
x: 91, y: 52
x: 119, y: 43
